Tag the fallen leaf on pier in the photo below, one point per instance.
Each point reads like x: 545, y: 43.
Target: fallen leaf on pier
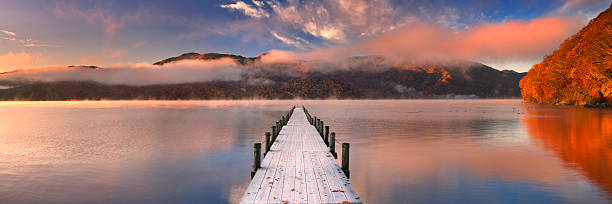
x: 285, y: 201
x: 293, y: 189
x: 346, y: 201
x: 268, y: 177
x: 328, y: 155
x: 270, y: 182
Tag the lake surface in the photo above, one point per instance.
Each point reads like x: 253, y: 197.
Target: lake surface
x: 402, y: 151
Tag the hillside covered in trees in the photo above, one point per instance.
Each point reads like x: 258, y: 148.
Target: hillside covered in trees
x: 579, y: 72
x: 455, y: 80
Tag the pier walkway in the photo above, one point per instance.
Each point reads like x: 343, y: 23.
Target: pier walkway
x: 299, y: 168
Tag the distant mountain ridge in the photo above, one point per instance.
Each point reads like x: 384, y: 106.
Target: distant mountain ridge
x: 209, y: 56
x: 367, y: 77
x: 579, y: 72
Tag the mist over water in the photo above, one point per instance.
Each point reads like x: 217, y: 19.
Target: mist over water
x: 423, y: 151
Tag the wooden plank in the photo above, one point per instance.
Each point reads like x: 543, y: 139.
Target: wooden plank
x: 279, y: 180
x: 301, y: 195
x: 324, y: 189
x: 266, y: 185
x: 312, y: 189
x: 343, y: 181
x: 251, y: 192
x: 288, y: 193
x: 336, y: 189
x: 299, y: 169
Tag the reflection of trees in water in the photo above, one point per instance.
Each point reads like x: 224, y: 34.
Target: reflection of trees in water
x: 580, y: 137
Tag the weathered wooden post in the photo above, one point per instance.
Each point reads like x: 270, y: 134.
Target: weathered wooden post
x: 345, y: 159
x: 314, y: 120
x: 278, y: 128
x: 268, y: 143
x: 309, y: 117
x: 326, y: 138
x: 273, y: 134
x: 321, y: 128
x: 256, y: 158
x: 332, y: 145
x: 283, y: 120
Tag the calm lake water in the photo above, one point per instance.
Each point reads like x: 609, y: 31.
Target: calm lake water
x: 402, y: 151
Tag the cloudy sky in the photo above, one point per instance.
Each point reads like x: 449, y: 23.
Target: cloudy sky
x: 503, y: 34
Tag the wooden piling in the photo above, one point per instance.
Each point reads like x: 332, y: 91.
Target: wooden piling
x: 326, y: 138
x: 268, y: 143
x: 321, y: 129
x: 278, y: 128
x: 273, y: 134
x: 345, y: 159
x: 256, y: 158
x: 332, y: 145
x: 309, y: 118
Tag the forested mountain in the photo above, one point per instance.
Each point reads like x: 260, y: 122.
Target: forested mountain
x: 458, y: 80
x: 579, y: 72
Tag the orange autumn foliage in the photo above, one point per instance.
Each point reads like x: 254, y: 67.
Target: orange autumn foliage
x: 579, y: 72
x: 581, y: 138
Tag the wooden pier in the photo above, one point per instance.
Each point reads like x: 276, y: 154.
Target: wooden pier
x: 299, y: 167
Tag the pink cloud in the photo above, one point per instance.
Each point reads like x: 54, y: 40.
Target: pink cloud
x: 515, y: 39
x: 110, y: 55
x: 107, y: 20
x: 9, y: 33
x: 511, y: 40
x: 89, y: 60
x: 21, y: 60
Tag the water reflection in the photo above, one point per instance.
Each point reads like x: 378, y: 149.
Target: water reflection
x: 402, y: 151
x: 454, y: 151
x: 581, y: 137
x: 64, y: 152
